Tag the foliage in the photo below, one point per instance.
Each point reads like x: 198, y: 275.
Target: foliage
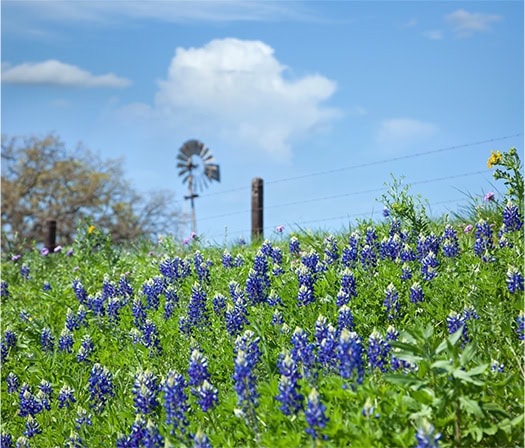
x: 511, y: 172
x: 374, y: 337
x: 41, y: 180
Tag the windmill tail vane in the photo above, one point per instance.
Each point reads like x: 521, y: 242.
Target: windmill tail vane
x: 197, y: 169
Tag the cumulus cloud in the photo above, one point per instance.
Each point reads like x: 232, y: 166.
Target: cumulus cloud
x: 238, y: 89
x: 53, y: 72
x: 404, y: 131
x: 465, y: 23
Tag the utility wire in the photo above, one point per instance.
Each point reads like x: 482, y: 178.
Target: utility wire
x: 368, y: 164
x: 337, y: 196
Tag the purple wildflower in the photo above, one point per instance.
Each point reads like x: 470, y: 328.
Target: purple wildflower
x: 100, y: 387
x: 66, y: 397
x: 315, y: 415
x: 175, y: 402
x: 145, y: 391
x: 514, y: 280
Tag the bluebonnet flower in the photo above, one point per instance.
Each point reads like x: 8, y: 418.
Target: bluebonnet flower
x: 175, y: 402
x: 330, y: 249
x: 450, y: 241
x: 22, y: 442
x: 273, y: 299
x: 247, y: 355
x: 81, y: 316
x: 109, y: 289
x: 514, y: 280
x: 291, y: 399
x: 200, y: 440
x: 152, y: 289
x: 4, y: 289
x: 219, y: 304
x: 227, y: 259
x: 100, y: 386
x: 315, y: 415
x: 239, y: 260
x: 395, y: 363
x: 368, y: 409
x: 457, y: 321
x: 47, y: 286
x: 391, y: 302
x: 197, y: 310
x: 303, y: 352
x: 345, y: 319
x: 426, y: 244
x: 74, y: 441
x: 390, y: 248
x: 65, y: 342
x: 10, y: 338
x: 6, y: 440
x: 138, y: 434
x: 151, y: 338
x: 25, y: 271
x: 484, y: 245
x: 125, y: 290
x: 80, y: 291
x: 12, y: 383
x: 407, y: 253
x: 139, y: 312
x: 378, y: 351
x: 86, y: 348
x: 29, y: 404
x: 152, y: 437
x: 114, y: 306
x: 258, y: 280
x: 305, y: 296
x: 45, y: 394
x: 25, y: 316
x: 145, y: 391
x: 496, y: 367
x: 66, y: 397
x: 520, y: 320
x: 294, y: 246
x: 371, y: 237
x: 326, y: 343
x: 386, y: 212
x: 175, y: 269
x: 277, y: 255
x: 416, y: 293
x: 350, y: 253
x: 406, y: 272
x: 207, y: 396
x: 202, y: 267
x: 32, y: 427
x: 350, y: 356
x: 512, y: 219
x: 277, y: 318
x: 429, y: 264
x: 348, y: 283
x: 71, y: 320
x: 96, y: 304
x: 368, y: 257
x: 83, y: 418
x: 425, y: 436
x: 171, y: 300
x: 267, y: 248
x: 198, y: 368
x: 289, y: 396
x: 236, y: 318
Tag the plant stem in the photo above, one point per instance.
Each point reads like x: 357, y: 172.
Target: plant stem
x: 457, y: 437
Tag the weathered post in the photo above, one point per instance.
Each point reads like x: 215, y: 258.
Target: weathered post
x: 51, y: 234
x: 257, y: 208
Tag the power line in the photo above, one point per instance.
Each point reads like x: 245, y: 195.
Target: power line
x: 337, y: 196
x: 368, y: 164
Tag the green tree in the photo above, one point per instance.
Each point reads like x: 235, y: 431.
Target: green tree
x: 41, y: 179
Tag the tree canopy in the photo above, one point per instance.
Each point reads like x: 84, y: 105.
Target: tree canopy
x: 42, y: 180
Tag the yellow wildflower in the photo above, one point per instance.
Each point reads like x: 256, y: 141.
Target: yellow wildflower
x: 494, y: 159
x: 91, y: 228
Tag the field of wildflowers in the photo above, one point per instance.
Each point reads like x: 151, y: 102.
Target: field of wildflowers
x: 396, y: 334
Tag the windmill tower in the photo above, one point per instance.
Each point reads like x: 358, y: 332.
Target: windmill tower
x: 195, y: 164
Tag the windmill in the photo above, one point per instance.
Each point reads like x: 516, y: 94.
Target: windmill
x: 195, y: 164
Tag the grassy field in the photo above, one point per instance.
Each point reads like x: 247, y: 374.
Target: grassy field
x: 402, y: 333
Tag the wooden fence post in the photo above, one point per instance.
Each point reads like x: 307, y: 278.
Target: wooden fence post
x: 257, y: 208
x: 51, y: 234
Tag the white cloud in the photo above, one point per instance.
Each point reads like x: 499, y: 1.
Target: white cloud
x: 397, y: 132
x: 236, y: 90
x: 52, y: 72
x: 466, y: 23
x: 433, y: 34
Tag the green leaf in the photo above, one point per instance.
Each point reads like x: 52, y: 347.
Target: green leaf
x: 404, y: 380
x: 478, y: 370
x: 470, y: 406
x: 443, y: 364
x: 464, y: 376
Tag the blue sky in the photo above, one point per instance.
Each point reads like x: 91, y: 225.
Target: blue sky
x: 323, y: 100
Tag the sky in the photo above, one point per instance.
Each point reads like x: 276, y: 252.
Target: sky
x: 326, y: 101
